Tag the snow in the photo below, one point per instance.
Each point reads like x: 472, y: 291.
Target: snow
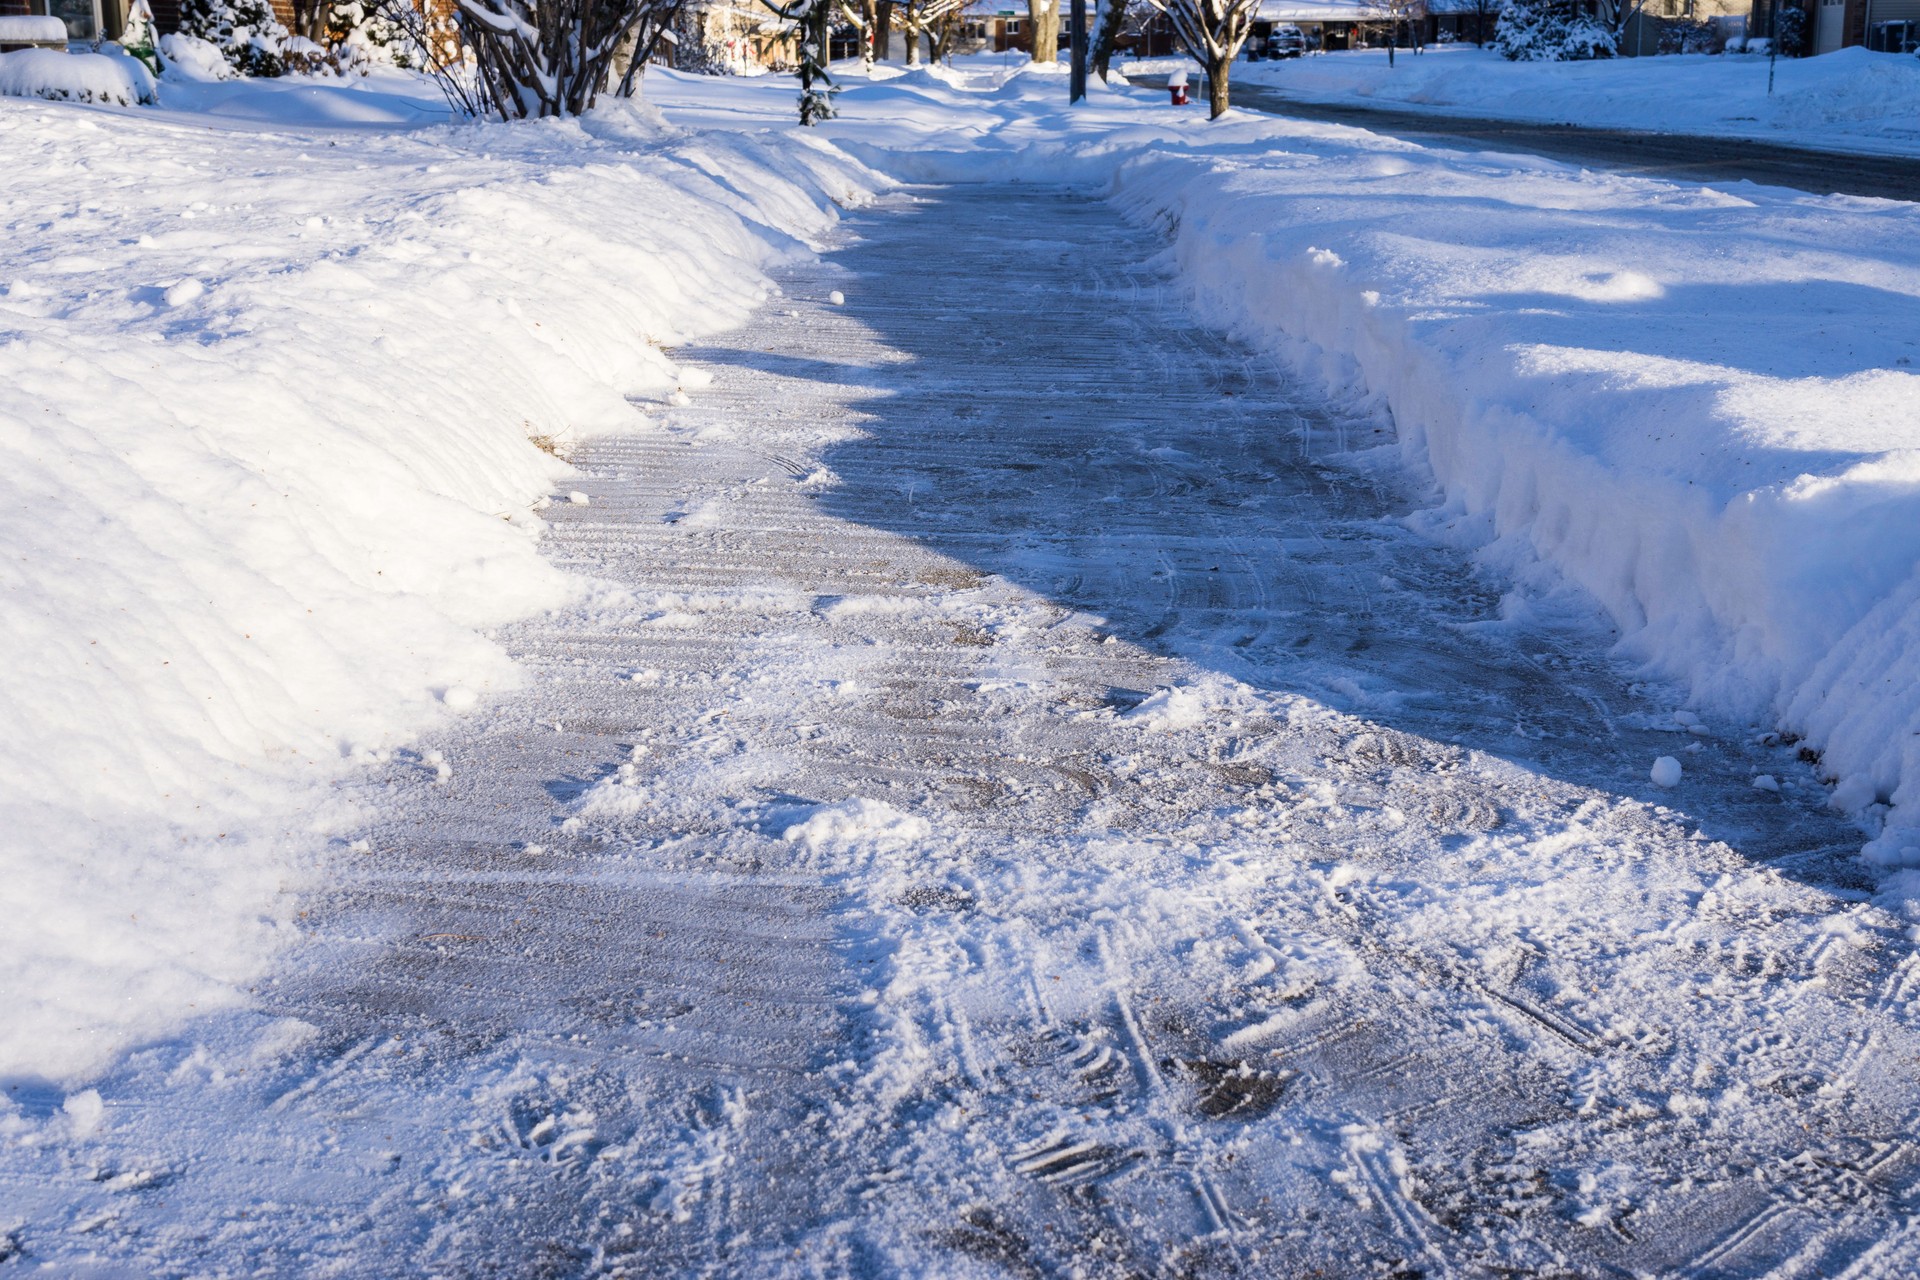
x: 1852, y: 99
x: 193, y: 60
x: 31, y: 28
x: 74, y: 77
x: 265, y: 409
x: 1176, y: 810
x: 1694, y: 405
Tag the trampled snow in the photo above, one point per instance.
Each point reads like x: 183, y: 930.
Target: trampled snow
x: 270, y: 407
x: 1022, y: 788
x: 1699, y: 405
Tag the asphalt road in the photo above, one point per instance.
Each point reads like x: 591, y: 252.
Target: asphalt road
x: 1661, y: 155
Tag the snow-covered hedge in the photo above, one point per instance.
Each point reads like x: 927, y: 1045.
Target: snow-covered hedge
x: 247, y: 33
x: 266, y: 481
x: 75, y: 77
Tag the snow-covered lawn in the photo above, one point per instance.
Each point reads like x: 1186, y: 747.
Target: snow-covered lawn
x: 268, y: 413
x: 1849, y: 100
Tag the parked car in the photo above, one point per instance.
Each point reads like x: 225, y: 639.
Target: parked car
x: 1287, y: 41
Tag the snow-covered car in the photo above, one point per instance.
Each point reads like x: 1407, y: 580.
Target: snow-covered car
x: 1287, y: 41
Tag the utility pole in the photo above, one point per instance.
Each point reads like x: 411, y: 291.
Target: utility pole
x: 1077, y: 50
x: 1773, y: 44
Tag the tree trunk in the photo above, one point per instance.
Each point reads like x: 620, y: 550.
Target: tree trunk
x: 1217, y: 69
x: 1044, y: 15
x: 870, y: 13
x: 883, y: 32
x: 908, y: 20
x: 1113, y: 19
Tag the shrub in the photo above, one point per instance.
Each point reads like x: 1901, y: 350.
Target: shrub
x: 1542, y: 31
x: 246, y: 32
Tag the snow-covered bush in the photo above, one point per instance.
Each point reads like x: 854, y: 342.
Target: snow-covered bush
x: 1542, y: 31
x: 113, y: 79
x: 545, y: 58
x: 1790, y: 31
x: 191, y: 58
x: 1684, y: 35
x: 247, y: 33
x: 364, y: 33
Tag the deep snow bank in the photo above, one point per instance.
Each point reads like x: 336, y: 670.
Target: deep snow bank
x: 1702, y: 406
x: 266, y: 480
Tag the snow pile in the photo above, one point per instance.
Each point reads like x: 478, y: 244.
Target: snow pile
x: 1700, y: 406
x: 266, y: 418
x: 32, y: 28
x: 1210, y: 700
x: 858, y: 825
x: 1852, y: 98
x: 1579, y: 366
x: 193, y: 59
x: 75, y: 77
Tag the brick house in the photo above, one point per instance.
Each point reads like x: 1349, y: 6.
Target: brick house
x: 106, y: 19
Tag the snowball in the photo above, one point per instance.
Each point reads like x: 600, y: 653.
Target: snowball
x: 578, y: 498
x: 1665, y: 772
x: 1765, y: 782
x: 459, y: 697
x: 184, y: 292
x: 84, y: 1112
x: 837, y: 298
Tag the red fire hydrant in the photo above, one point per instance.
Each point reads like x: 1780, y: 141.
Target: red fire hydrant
x: 1177, y: 86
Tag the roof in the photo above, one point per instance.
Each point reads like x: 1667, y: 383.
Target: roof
x: 1321, y: 11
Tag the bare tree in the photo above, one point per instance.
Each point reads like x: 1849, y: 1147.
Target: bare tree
x: 1395, y: 13
x: 1212, y: 32
x: 1117, y: 17
x: 654, y: 29
x: 544, y: 57
x: 310, y: 19
x: 431, y: 28
x: 1485, y: 13
x: 945, y: 32
x: 1043, y: 16
x: 864, y: 19
x: 924, y: 18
